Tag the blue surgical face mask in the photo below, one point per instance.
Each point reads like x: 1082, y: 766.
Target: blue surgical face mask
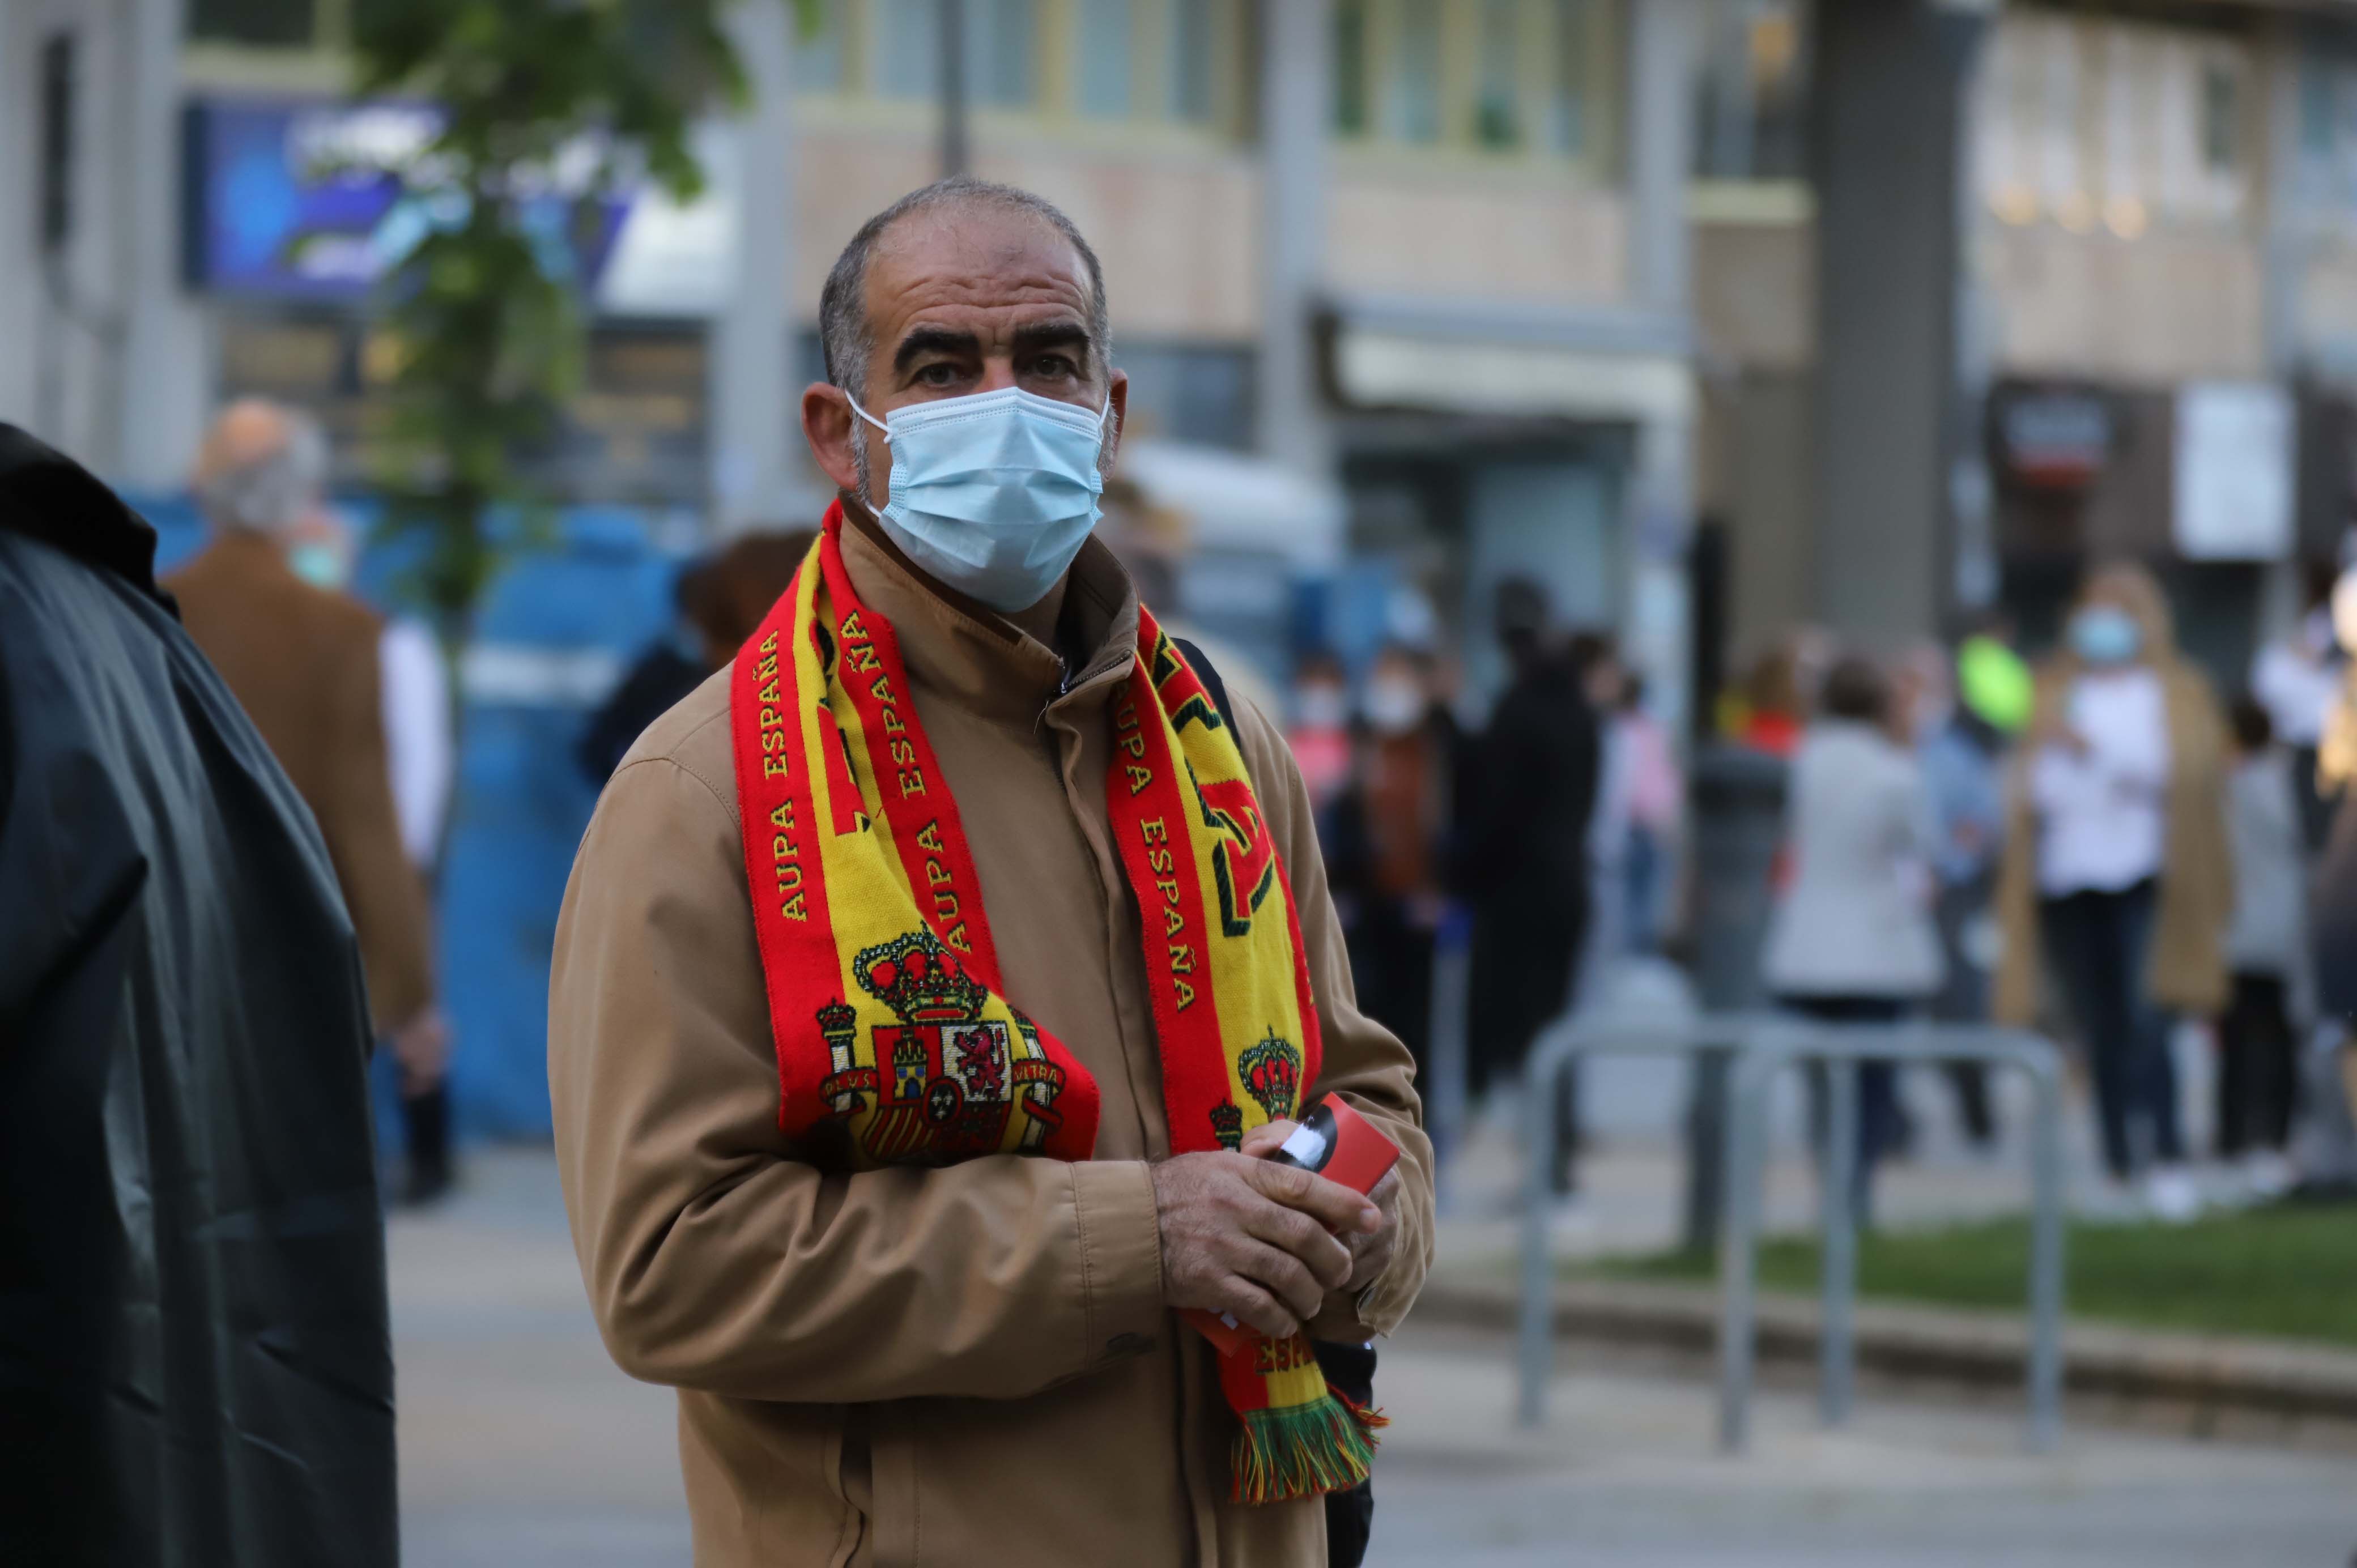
x: 993, y: 493
x: 2105, y: 634
x: 321, y: 565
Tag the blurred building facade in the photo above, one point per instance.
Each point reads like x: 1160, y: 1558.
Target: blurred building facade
x: 2054, y: 281
x: 1433, y: 252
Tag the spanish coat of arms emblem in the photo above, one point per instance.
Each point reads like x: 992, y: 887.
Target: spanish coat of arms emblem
x: 943, y: 1083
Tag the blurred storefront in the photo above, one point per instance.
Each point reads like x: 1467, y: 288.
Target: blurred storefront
x: 2139, y: 340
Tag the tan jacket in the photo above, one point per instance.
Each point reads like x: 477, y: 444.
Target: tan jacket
x: 303, y: 662
x: 2187, y: 969
x: 965, y: 1366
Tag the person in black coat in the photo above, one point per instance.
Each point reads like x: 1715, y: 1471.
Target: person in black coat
x: 1525, y: 800
x: 195, y: 1361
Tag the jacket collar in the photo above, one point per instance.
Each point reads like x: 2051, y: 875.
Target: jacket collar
x: 979, y: 659
x: 46, y: 495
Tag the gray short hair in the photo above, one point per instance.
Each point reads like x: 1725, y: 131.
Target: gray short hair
x: 273, y: 492
x: 847, y: 337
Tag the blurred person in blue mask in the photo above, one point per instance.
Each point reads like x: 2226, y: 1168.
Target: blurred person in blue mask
x: 1388, y: 841
x: 307, y: 660
x: 1318, y: 730
x: 421, y: 749
x: 2117, y: 873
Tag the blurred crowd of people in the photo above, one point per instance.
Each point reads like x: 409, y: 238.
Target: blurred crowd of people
x: 2097, y: 845
x: 1546, y: 840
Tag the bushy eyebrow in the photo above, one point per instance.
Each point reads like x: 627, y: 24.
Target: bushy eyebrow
x: 925, y: 340
x: 1048, y: 335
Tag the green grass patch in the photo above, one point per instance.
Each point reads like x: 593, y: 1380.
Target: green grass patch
x: 2286, y: 1272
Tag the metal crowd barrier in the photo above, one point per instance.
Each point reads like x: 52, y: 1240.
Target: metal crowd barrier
x: 1760, y: 1046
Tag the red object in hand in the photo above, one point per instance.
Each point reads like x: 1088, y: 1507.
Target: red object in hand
x: 1334, y: 1142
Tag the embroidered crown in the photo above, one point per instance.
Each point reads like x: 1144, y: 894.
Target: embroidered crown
x: 920, y: 979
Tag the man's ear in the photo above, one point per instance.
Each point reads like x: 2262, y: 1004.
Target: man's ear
x: 1116, y: 410
x: 830, y: 426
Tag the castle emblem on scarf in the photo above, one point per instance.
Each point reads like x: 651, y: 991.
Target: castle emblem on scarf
x: 1227, y: 1124
x: 945, y: 1082
x: 1271, y: 1070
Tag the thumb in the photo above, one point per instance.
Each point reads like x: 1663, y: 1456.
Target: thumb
x: 1266, y: 1139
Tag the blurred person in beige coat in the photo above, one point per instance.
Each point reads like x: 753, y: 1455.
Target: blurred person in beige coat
x: 305, y: 663
x: 975, y: 1363
x: 2118, y: 877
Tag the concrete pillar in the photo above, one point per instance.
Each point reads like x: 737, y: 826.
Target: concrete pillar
x: 1890, y: 154
x: 1297, y: 83
x: 161, y: 382
x: 1659, y: 136
x: 750, y: 362
x: 1658, y: 513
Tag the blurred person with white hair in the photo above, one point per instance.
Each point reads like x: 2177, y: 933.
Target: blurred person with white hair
x: 306, y: 661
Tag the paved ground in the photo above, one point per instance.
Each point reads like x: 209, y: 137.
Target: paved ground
x: 521, y: 1447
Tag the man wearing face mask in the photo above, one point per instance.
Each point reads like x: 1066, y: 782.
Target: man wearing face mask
x: 931, y: 978
x: 2116, y: 866
x: 304, y: 660
x: 1390, y: 841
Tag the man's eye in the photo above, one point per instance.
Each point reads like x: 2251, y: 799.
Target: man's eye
x: 1054, y: 365
x: 938, y: 375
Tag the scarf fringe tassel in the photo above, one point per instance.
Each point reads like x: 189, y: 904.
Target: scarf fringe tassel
x: 1301, y: 1451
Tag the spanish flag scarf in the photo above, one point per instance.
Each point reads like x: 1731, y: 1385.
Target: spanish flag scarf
x: 896, y: 1044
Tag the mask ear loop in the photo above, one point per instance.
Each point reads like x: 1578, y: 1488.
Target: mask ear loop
x: 879, y: 424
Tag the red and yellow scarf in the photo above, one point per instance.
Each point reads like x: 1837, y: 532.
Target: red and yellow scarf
x: 896, y: 1041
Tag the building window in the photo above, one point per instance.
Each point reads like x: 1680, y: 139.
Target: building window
x: 1193, y: 44
x: 818, y: 53
x: 1353, y: 67
x: 2222, y: 113
x: 2102, y: 125
x: 1106, y: 58
x: 265, y: 24
x: 1159, y: 61
x: 1751, y: 95
x: 1002, y: 48
x: 1571, y: 52
x: 907, y: 47
x: 1509, y: 79
x: 1498, y: 102
x: 1414, y: 84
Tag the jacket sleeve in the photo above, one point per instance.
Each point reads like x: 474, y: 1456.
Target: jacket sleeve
x: 364, y: 833
x: 714, y: 1258
x: 1363, y: 1061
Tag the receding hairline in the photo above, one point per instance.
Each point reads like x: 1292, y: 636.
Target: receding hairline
x: 944, y: 202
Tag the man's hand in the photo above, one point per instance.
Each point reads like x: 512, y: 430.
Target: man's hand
x: 1370, y: 1250
x: 422, y: 1047
x: 1242, y: 1236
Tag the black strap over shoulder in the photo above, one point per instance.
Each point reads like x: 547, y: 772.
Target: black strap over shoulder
x: 1210, y: 679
